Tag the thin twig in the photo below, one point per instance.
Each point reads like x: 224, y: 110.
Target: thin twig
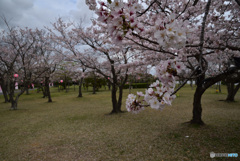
x: 140, y: 14
x: 185, y: 81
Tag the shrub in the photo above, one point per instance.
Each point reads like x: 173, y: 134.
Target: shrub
x: 137, y: 85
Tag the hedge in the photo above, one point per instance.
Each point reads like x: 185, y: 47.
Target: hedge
x: 137, y: 85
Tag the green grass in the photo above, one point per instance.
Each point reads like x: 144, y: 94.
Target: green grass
x: 74, y: 128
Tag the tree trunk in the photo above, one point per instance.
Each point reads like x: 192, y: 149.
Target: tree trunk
x: 80, y: 88
x: 65, y: 84
x: 4, y: 91
x: 197, y: 107
x: 94, y: 84
x: 49, y: 96
x: 202, y: 85
x: 44, y: 92
x: 47, y: 89
x: 14, y: 102
x: 191, y: 84
x: 38, y: 89
x: 27, y: 91
x: 219, y: 87
x: 130, y: 87
x: 120, y: 98
x: 115, y: 106
x: 5, y: 94
x: 232, y: 91
x: 14, y: 105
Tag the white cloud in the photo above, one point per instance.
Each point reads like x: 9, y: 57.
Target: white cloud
x: 40, y: 13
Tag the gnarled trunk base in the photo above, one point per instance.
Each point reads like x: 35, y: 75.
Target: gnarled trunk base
x: 14, y: 105
x: 116, y: 103
x: 197, y: 107
x: 232, y: 91
x: 116, y: 111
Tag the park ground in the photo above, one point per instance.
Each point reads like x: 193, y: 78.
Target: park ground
x: 74, y: 128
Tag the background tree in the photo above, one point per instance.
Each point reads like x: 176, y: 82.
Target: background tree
x: 100, y: 55
x: 19, y: 56
x: 233, y: 85
x: 47, y: 59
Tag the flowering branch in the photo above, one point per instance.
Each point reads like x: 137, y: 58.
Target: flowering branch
x: 161, y: 92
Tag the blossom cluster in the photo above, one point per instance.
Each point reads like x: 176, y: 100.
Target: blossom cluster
x: 123, y: 17
x: 160, y: 92
x: 120, y: 17
x: 134, y: 105
x: 170, y: 32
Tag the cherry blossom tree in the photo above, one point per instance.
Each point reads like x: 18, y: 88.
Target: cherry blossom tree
x: 19, y: 56
x: 193, y: 31
x: 79, y: 72
x: 16, y: 44
x: 48, y: 59
x: 231, y: 87
x: 100, y: 55
x: 4, y: 84
x: 233, y: 83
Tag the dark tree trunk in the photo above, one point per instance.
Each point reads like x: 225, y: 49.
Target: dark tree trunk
x: 115, y: 103
x: 65, y: 84
x: 202, y: 85
x: 80, y: 88
x: 94, y: 89
x: 5, y: 94
x: 197, y: 107
x: 191, y: 84
x: 232, y: 91
x: 14, y: 105
x: 14, y: 102
x: 27, y: 91
x: 44, y: 92
x: 11, y: 95
x: 94, y: 84
x: 38, y: 89
x: 47, y: 89
x: 120, y: 98
x: 49, y: 96
x: 219, y: 87
x: 4, y: 91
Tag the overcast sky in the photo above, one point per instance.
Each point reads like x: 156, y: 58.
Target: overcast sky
x: 40, y: 13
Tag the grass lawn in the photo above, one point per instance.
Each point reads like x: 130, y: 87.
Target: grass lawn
x: 74, y: 128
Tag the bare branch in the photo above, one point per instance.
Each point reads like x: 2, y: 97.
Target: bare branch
x: 140, y: 14
x: 195, y: 2
x: 203, y: 32
x: 238, y: 2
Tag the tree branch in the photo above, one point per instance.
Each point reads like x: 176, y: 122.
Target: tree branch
x: 140, y: 14
x: 203, y: 32
x: 238, y: 2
